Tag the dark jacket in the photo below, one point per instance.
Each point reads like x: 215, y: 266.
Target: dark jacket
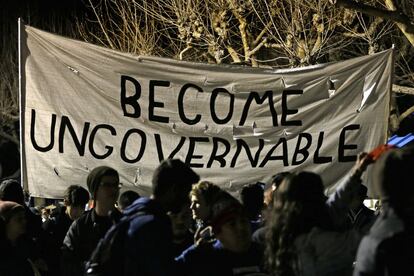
x: 56, y: 228
x: 208, y: 260
x: 80, y: 241
x: 14, y: 259
x: 388, y: 248
x: 149, y: 248
x: 362, y: 220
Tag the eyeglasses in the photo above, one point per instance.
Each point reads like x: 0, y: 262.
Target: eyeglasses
x: 111, y: 185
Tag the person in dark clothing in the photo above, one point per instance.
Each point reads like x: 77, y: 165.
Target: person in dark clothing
x: 233, y: 253
x: 181, y: 225
x: 388, y: 247
x: 75, y: 200
x: 85, y: 232
x: 35, y: 238
x: 14, y: 255
x: 127, y: 198
x: 252, y: 198
x: 361, y: 217
x: 149, y: 247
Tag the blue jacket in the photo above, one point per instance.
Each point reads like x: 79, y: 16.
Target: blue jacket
x: 148, y: 246
x: 214, y: 260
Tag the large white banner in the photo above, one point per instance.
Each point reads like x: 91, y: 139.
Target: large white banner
x: 84, y: 106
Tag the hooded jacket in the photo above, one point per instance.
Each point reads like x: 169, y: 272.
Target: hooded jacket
x: 148, y: 246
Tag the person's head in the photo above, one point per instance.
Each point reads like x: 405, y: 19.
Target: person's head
x: 230, y: 223
x: 171, y: 184
x: 277, y: 179
x: 181, y: 222
x: 11, y: 190
x: 103, y: 185
x: 359, y: 198
x: 252, y: 198
x: 299, y: 206
x: 392, y: 178
x: 202, y: 196
x: 127, y: 198
x: 271, y: 192
x: 75, y: 199
x: 14, y: 218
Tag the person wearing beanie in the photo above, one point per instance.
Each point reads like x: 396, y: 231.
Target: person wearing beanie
x: 85, y: 232
x: 149, y: 241
x: 233, y: 251
x: 388, y: 247
x: 14, y: 255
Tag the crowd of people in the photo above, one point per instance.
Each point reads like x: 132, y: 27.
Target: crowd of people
x: 190, y: 226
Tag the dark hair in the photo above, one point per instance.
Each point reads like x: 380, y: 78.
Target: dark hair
x: 299, y: 206
x: 11, y: 190
x: 173, y: 174
x: 223, y: 209
x: 392, y: 178
x: 127, y: 198
x: 171, y: 183
x: 252, y: 198
x: 76, y: 195
x: 278, y: 178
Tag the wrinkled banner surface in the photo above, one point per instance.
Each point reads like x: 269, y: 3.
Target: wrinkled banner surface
x: 83, y: 106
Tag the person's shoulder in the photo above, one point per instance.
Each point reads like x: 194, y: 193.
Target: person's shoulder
x: 387, y: 225
x: 198, y: 254
x: 82, y: 221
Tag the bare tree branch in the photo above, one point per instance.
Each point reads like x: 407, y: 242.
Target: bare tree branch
x: 402, y: 89
x: 395, y: 15
x: 406, y: 113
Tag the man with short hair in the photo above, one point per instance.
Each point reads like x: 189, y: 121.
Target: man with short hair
x: 149, y: 248
x: 360, y: 217
x: 85, y: 232
x: 74, y: 200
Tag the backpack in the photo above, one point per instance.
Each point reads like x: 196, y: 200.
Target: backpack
x: 108, y: 257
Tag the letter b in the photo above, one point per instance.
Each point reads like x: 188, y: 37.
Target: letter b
x: 130, y: 100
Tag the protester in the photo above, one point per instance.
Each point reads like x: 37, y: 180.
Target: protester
x: 11, y: 190
x: 126, y: 199
x: 14, y: 253
x: 34, y: 238
x: 85, y: 232
x: 202, y: 196
x: 233, y: 253
x: 149, y: 247
x: 74, y: 200
x: 388, y: 248
x: 260, y: 233
x: 252, y: 198
x: 361, y: 217
x: 268, y: 197
x: 181, y: 229
x: 300, y: 236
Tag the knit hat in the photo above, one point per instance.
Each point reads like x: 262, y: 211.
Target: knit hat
x: 95, y: 176
x: 8, y: 209
x: 224, y: 209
